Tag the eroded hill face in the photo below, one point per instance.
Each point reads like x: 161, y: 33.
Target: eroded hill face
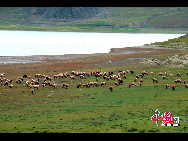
x: 67, y: 13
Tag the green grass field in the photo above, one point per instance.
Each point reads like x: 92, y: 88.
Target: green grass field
x: 95, y: 109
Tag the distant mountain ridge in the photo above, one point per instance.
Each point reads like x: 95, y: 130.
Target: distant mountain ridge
x: 115, y: 17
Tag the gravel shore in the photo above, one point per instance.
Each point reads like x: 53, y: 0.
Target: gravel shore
x: 36, y: 59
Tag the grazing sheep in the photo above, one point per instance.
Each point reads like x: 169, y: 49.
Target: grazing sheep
x: 111, y: 88
x: 38, y: 75
x: 35, y: 86
x: 167, y: 86
x: 81, y: 76
x: 135, y: 79
x: 43, y: 85
x: 11, y: 86
x: 141, y: 80
x: 137, y: 76
x: 132, y: 83
x: 72, y: 77
x: 186, y: 85
x: 166, y: 73
x: 160, y: 73
x: 178, y: 81
x: 103, y: 83
x: 55, y: 85
x: 79, y: 85
x: 32, y: 91
x: 178, y: 74
x: 65, y: 85
x: 171, y: 75
x: 184, y: 81
x: 56, y: 76
x: 173, y: 87
x: 24, y: 76
x: 164, y: 77
x: 124, y: 76
x: 116, y: 83
x: 140, y: 84
x: 151, y: 73
x: 155, y: 80
x: 120, y: 82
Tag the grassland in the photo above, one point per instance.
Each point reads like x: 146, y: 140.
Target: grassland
x: 180, y: 42
x: 94, y: 109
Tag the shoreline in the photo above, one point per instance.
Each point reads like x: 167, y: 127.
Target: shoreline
x: 41, y: 59
x: 141, y: 32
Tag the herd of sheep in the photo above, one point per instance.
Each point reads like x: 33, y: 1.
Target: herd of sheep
x: 41, y: 80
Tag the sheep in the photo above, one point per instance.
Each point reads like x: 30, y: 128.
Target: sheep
x: 167, y: 86
x: 11, y: 86
x: 178, y: 74
x: 166, y: 73
x: 103, y: 83
x: 111, y: 88
x: 135, y: 79
x: 173, y: 87
x: 24, y: 76
x: 184, y: 81
x: 141, y: 80
x: 137, y: 76
x: 79, y: 85
x: 38, y: 75
x: 43, y: 85
x: 160, y: 73
x: 164, y: 77
x: 2, y: 75
x: 72, y: 77
x: 171, y: 75
x: 132, y: 83
x: 91, y: 84
x: 95, y: 84
x: 140, y: 84
x: 178, y: 81
x: 81, y: 76
x: 32, y: 91
x: 35, y: 86
x: 116, y: 83
x: 155, y: 80
x: 120, y: 82
x: 186, y: 85
x: 55, y: 85
x: 124, y: 76
x: 65, y: 85
x: 56, y: 76
x: 151, y: 73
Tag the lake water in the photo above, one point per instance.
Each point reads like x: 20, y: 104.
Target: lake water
x: 25, y: 43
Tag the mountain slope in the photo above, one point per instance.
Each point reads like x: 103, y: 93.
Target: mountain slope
x: 95, y: 17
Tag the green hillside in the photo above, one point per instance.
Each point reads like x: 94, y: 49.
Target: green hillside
x: 105, y: 19
x: 181, y: 42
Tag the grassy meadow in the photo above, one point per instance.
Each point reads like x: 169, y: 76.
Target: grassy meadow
x: 94, y: 109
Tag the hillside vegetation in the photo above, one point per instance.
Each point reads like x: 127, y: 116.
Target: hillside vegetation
x: 112, y: 19
x: 181, y: 42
